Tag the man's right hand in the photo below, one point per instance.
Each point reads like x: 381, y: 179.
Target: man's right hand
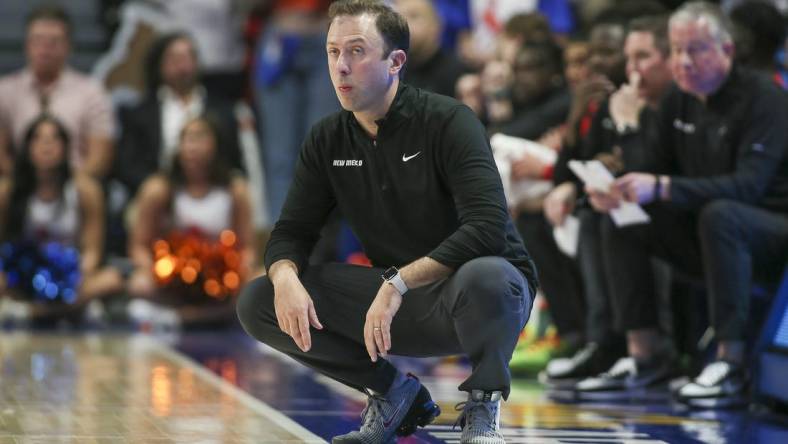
x: 559, y: 203
x: 626, y: 104
x: 595, y: 89
x: 294, y: 308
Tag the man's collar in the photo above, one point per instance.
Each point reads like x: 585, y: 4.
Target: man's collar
x: 729, y: 90
x: 399, y: 109
x: 30, y: 79
x: 165, y: 93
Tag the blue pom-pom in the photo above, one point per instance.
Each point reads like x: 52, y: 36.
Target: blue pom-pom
x: 44, y: 272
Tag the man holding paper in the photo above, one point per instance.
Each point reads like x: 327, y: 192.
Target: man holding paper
x: 616, y: 143
x: 717, y: 194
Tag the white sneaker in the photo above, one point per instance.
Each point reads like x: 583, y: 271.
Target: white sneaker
x: 719, y: 379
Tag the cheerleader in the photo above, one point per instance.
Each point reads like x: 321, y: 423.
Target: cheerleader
x: 44, y: 202
x: 201, y: 196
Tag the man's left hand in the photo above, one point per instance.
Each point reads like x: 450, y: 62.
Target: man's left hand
x: 377, y: 328
x: 626, y: 104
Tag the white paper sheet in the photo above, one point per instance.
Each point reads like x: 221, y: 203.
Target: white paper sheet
x: 567, y: 235
x: 594, y: 174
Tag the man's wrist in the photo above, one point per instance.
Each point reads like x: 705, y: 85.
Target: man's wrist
x: 282, y: 269
x: 661, y: 188
x: 393, y: 277
x: 665, y: 189
x: 656, y: 195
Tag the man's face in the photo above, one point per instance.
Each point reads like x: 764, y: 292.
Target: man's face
x: 179, y: 65
x: 606, y: 52
x: 359, y: 72
x: 47, y: 46
x: 698, y: 60
x: 649, y: 63
x: 576, y: 68
x: 508, y: 47
x: 424, y: 25
x: 532, y: 76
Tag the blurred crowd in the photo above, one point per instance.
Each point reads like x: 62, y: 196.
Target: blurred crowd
x: 166, y: 196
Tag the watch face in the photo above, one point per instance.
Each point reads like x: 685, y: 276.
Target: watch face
x: 390, y: 273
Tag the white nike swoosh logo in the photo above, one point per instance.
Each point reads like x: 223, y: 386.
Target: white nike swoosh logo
x: 407, y: 158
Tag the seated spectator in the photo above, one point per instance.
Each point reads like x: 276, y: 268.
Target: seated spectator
x: 631, y: 113
x: 199, y: 197
x: 48, y: 84
x: 576, y: 70
x: 559, y: 274
x: 540, y: 99
x: 217, y: 31
x: 430, y: 66
x: 45, y: 202
x: 716, y: 194
x: 606, y: 64
x: 151, y: 129
x: 759, y: 34
x: 521, y: 29
x: 488, y: 93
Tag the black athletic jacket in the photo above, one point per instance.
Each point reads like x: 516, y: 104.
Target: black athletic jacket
x: 731, y: 147
x: 427, y: 186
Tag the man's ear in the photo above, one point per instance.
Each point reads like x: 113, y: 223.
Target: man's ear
x: 397, y: 59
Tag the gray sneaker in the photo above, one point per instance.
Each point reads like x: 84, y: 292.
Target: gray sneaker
x: 383, y: 415
x: 480, y: 418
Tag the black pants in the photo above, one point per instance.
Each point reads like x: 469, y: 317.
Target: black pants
x: 478, y: 311
x: 599, y: 310
x: 729, y: 243
x: 559, y: 276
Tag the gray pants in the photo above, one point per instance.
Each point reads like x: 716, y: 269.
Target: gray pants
x: 478, y: 311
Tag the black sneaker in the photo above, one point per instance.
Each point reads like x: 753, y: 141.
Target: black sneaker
x: 421, y: 413
x: 628, y: 374
x: 720, y: 384
x: 591, y: 360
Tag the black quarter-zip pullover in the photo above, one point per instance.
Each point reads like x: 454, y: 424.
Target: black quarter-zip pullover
x: 732, y: 146
x: 427, y: 185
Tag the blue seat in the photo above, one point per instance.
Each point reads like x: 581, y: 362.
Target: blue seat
x: 771, y: 350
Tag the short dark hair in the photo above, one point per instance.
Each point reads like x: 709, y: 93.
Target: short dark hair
x: 391, y: 24
x: 549, y: 52
x: 530, y: 27
x: 49, y: 11
x: 657, y: 26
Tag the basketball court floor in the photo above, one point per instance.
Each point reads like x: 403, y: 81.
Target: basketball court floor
x: 222, y: 387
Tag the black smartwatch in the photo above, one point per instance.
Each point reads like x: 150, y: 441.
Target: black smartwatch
x: 392, y: 276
